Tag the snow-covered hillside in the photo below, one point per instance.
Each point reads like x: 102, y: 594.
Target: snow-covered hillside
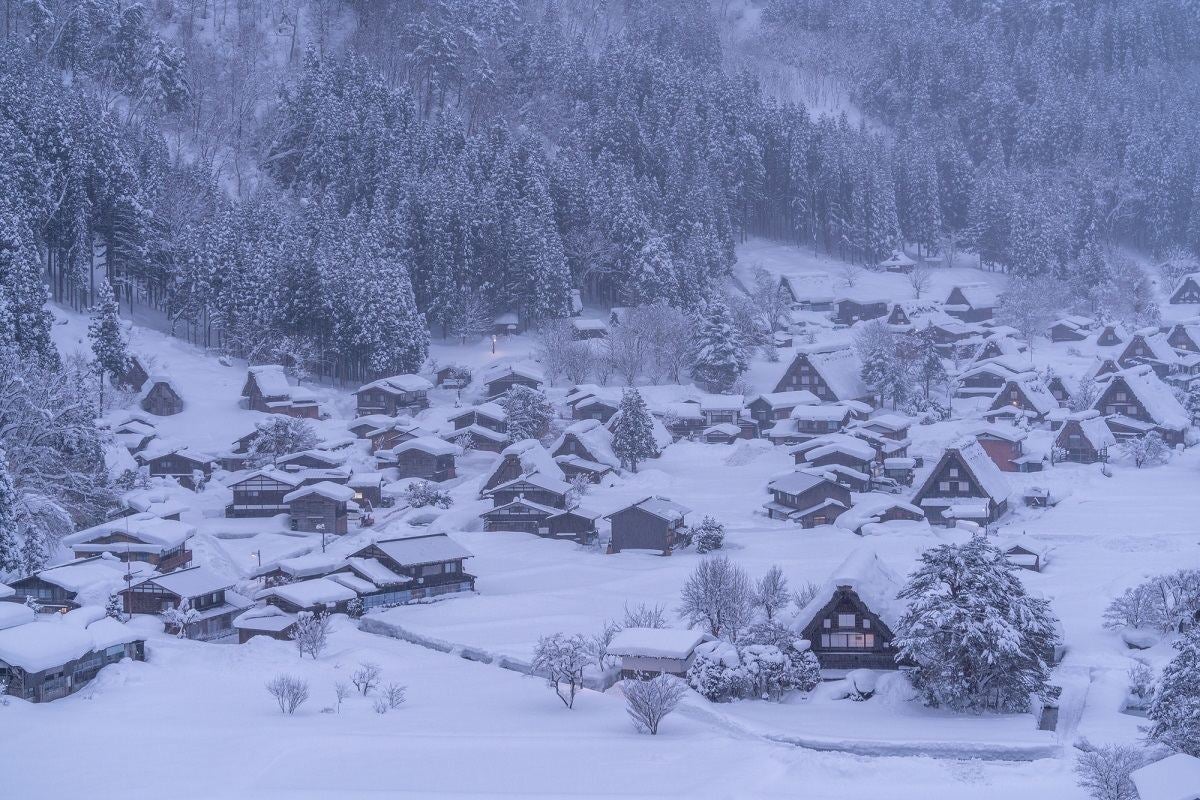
x: 473, y: 725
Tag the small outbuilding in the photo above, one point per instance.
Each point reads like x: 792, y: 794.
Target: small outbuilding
x: 161, y: 397
x: 1176, y: 777
x: 646, y: 652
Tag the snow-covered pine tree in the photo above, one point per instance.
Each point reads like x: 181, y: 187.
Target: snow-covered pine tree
x: 10, y: 553
x: 927, y: 361
x: 529, y: 413
x: 1175, y: 709
x: 25, y: 291
x: 720, y: 357
x: 279, y: 436
x: 653, y: 277
x: 107, y: 338
x: 882, y: 371
x: 709, y: 535
x: 633, y: 431
x: 976, y: 639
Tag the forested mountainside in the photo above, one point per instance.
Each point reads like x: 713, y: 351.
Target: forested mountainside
x: 1077, y: 117
x: 334, y: 180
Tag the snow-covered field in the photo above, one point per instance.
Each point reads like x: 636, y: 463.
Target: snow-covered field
x: 194, y: 721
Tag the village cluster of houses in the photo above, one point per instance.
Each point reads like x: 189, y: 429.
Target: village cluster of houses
x: 853, y: 468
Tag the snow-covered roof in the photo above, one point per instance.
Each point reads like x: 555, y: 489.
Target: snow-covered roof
x: 271, y: 380
x: 1008, y: 433
x: 533, y: 458
x: 76, y: 576
x: 1176, y: 777
x: 191, y: 582
x: 522, y: 502
x: 144, y: 526
x: 797, y: 397
x: 796, y: 482
x: 491, y: 409
x: 893, y: 423
x: 1035, y: 392
x: 13, y: 614
x: 985, y: 471
x: 672, y: 643
x: 165, y: 447
x: 862, y: 294
x: 399, y: 383
x: 811, y: 286
x: 834, y: 443
x: 429, y: 444
x: 1193, y: 277
x: 1155, y: 396
x: 415, y: 550
x: 722, y: 402
x: 663, y: 508
x: 365, y: 480
x: 538, y: 479
x: 724, y: 429
x: 303, y: 566
x: 587, y: 324
x: 267, y: 618
x: 285, y: 477
x: 520, y: 369
x: 375, y: 571
x: 477, y: 431
x: 310, y: 593
x: 897, y: 259
x: 1160, y: 349
x: 831, y: 413
x: 327, y: 489
x: 842, y: 372
x: 871, y: 579
x: 870, y: 507
x: 1095, y: 429
x: 155, y: 380
x: 54, y: 640
x: 1076, y: 322
x: 324, y: 456
x: 978, y: 295
x: 592, y: 434
x: 1000, y: 366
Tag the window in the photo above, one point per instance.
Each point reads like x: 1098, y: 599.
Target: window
x: 953, y: 473
x: 828, y: 623
x: 845, y: 620
x: 944, y: 486
x: 866, y: 624
x: 848, y: 641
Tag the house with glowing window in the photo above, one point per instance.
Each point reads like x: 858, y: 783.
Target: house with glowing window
x: 850, y: 623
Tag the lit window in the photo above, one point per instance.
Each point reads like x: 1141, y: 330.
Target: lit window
x: 845, y: 620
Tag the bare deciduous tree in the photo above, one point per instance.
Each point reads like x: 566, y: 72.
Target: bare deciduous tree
x: 771, y: 592
x: 562, y: 659
x: 394, y: 695
x: 648, y: 702
x: 289, y: 692
x: 311, y: 633
x: 341, y: 690
x: 644, y: 616
x: 1104, y: 771
x: 920, y: 279
x: 718, y: 597
x: 366, y: 677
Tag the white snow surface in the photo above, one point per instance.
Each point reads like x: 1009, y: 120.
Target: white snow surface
x: 473, y: 729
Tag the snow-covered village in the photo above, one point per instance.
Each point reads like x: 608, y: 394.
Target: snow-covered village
x: 555, y: 398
